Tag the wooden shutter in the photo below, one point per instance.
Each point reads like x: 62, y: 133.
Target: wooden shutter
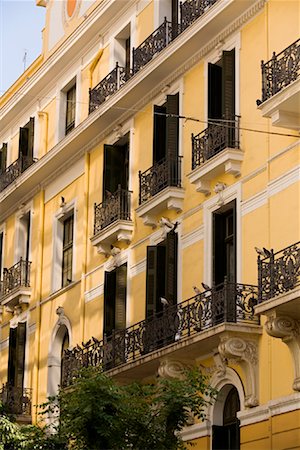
x: 228, y: 84
x: 109, y: 302
x: 1, y: 253
x: 219, y: 256
x: 23, y: 141
x: 120, y: 302
x: 171, y: 267
x: 3, y: 158
x: 174, y: 18
x: 127, y: 57
x: 20, y: 354
x: 114, y: 168
x: 214, y: 91
x: 172, y: 125
x: 11, y: 372
x: 159, y: 133
x: 28, y: 225
x: 30, y: 137
x: 151, y: 280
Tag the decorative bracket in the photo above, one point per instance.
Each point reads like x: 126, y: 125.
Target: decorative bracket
x: 288, y: 330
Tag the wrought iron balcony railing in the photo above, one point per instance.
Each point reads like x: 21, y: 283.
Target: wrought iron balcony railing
x: 281, y: 70
x: 190, y: 10
x: 16, y: 169
x: 151, y: 46
x: 166, y: 172
x: 279, y: 272
x: 229, y: 302
x: 107, y: 87
x: 16, y: 400
x: 215, y: 138
x: 15, y: 277
x: 115, y: 207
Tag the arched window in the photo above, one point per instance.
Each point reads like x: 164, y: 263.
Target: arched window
x: 65, y: 346
x: 226, y: 436
x: 60, y: 342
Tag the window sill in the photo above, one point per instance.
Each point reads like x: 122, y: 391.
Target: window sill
x: 120, y: 230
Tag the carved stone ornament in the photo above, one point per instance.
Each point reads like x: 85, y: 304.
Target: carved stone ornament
x: 245, y: 353
x: 288, y: 330
x: 61, y: 313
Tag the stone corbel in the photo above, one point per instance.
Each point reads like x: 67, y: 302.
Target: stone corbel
x: 288, y: 330
x: 245, y: 353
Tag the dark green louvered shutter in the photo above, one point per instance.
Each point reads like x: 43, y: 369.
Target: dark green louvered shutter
x: 30, y: 137
x: 159, y: 133
x: 214, y: 91
x: 109, y: 302
x: 171, y: 268
x: 151, y: 280
x: 120, y: 308
x: 23, y: 141
x: 12, y: 363
x: 20, y: 354
x: 228, y: 84
x: 3, y: 157
x: 219, y: 255
x: 172, y: 125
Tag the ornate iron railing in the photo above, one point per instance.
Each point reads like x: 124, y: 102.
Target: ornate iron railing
x: 166, y: 172
x: 16, y: 400
x: 279, y: 272
x: 215, y: 138
x: 151, y: 46
x: 115, y: 207
x: 107, y: 86
x: 281, y: 70
x: 229, y: 302
x: 16, y: 169
x: 190, y: 10
x: 15, y: 277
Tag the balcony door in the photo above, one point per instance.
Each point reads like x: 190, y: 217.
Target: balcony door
x: 115, y: 283
x: 227, y: 435
x: 16, y: 356
x: 116, y: 167
x: 166, y: 129
x: 26, y: 142
x: 3, y: 158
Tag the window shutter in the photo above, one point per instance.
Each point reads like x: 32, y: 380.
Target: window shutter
x: 20, y: 354
x: 11, y: 372
x: 219, y: 256
x: 174, y: 18
x: 214, y: 91
x: 1, y: 253
x: 171, y: 268
x: 30, y: 137
x: 109, y: 302
x: 159, y: 133
x: 228, y: 84
x: 23, y: 141
x: 172, y: 125
x: 114, y: 168
x: 3, y: 158
x: 120, y: 310
x: 151, y: 281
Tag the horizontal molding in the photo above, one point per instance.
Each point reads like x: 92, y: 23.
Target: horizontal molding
x: 196, y: 431
x: 284, y: 181
x: 274, y: 407
x: 254, y: 202
x: 192, y: 237
x: 64, y: 179
x: 4, y: 344
x: 94, y: 293
x: 138, y: 268
x: 31, y: 328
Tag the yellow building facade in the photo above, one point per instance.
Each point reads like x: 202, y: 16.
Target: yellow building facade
x: 150, y: 208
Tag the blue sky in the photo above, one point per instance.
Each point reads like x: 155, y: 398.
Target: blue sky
x: 21, y: 24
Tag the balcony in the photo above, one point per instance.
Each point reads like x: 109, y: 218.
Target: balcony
x: 112, y: 221
x: 16, y: 169
x: 281, y: 88
x: 199, y: 323
x: 190, y: 10
x: 215, y: 151
x: 160, y: 189
x: 17, y: 401
x: 15, y: 286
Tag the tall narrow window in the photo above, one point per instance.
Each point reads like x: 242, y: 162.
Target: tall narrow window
x: 24, y: 236
x: 26, y: 139
x: 70, y: 108
x: 16, y: 357
x: 67, y: 252
x: 115, y: 300
x: 224, y: 244
x: 161, y: 274
x: 165, y: 129
x: 116, y: 166
x: 227, y: 435
x: 3, y: 158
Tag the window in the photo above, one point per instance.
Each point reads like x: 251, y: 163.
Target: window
x: 224, y: 244
x: 70, y: 109
x: 26, y: 140
x: 67, y: 251
x: 3, y: 158
x: 115, y: 283
x: 228, y: 435
x: 116, y: 166
x: 16, y: 355
x: 161, y: 274
x: 166, y: 129
x: 24, y: 231
x: 170, y: 10
x: 64, y: 347
x: 122, y: 49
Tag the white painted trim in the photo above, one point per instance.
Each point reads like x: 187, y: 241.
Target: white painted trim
x: 94, y: 293
x: 196, y: 431
x: 4, y: 344
x: 254, y: 202
x: 142, y: 4
x: 284, y: 181
x: 63, y: 180
x: 194, y: 236
x: 233, y: 192
x: 138, y: 268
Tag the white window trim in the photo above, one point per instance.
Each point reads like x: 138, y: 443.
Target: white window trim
x: 18, y: 216
x: 233, y: 43
x: 59, y: 218
x: 112, y: 42
x: 230, y: 193
x: 61, y: 105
